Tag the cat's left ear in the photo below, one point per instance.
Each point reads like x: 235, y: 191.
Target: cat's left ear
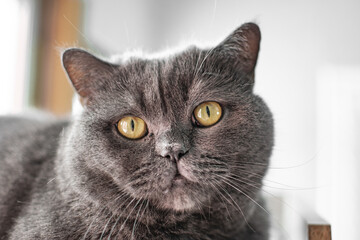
x: 86, y: 72
x: 240, y: 49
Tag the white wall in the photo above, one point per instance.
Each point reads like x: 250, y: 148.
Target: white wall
x: 338, y: 131
x: 15, y: 18
x: 298, y: 39
x: 17, y: 24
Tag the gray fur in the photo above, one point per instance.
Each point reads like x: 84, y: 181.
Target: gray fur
x: 83, y: 180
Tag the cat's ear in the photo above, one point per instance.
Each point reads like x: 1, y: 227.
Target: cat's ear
x: 86, y: 72
x: 240, y: 49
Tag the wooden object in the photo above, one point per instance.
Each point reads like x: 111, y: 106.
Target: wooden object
x: 319, y: 232
x: 317, y: 227
x: 58, y: 28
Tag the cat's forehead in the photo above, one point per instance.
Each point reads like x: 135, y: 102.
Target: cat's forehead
x: 165, y: 86
x: 166, y: 89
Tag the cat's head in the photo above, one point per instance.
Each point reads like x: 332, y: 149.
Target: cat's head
x: 175, y: 130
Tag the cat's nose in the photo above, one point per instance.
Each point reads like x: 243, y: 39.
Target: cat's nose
x: 174, y: 153
x: 172, y: 144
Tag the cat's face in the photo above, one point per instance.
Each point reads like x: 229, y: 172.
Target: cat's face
x: 176, y: 163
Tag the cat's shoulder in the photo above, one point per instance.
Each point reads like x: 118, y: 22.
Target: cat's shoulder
x: 24, y: 131
x: 26, y: 143
x: 28, y: 138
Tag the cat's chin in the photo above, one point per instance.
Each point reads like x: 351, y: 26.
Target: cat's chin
x: 179, y: 202
x: 177, y: 197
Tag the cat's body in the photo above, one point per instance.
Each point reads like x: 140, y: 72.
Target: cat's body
x: 83, y: 180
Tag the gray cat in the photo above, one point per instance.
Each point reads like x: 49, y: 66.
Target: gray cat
x: 168, y: 148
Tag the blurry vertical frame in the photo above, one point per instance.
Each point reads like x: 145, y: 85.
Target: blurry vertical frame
x: 59, y: 24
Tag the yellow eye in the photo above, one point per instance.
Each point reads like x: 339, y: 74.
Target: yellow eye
x: 132, y: 127
x: 208, y: 113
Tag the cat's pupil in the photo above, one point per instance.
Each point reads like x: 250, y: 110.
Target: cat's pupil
x: 132, y: 125
x: 208, y: 111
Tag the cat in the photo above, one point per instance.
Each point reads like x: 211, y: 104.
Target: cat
x: 165, y: 148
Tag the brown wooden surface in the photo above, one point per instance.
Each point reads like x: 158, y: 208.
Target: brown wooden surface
x: 59, y: 21
x: 319, y: 232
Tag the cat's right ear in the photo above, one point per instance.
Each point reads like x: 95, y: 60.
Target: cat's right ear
x: 240, y: 49
x: 86, y: 72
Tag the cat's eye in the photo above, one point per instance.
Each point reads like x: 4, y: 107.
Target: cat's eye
x: 132, y: 127
x: 207, y: 114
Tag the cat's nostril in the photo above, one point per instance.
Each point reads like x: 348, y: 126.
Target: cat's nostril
x: 179, y: 154
x: 174, y: 155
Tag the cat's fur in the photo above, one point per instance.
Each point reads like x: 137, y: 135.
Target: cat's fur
x: 83, y: 180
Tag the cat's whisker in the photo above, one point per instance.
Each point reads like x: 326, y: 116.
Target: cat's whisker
x: 123, y: 224
x: 236, y: 171
x: 147, y: 219
x: 238, y: 208
x: 286, y: 187
x: 200, y: 205
x: 273, y: 196
x: 117, y: 220
x: 221, y: 195
x: 145, y: 208
x: 254, y: 201
x: 259, y: 176
x: 220, y: 187
x: 137, y: 215
x: 269, y: 165
x: 266, y: 211
x: 243, y: 170
x: 92, y: 222
x: 218, y: 158
x: 105, y: 227
x: 50, y: 180
x: 253, y: 164
x: 225, y: 180
x: 244, y: 180
x: 107, y: 223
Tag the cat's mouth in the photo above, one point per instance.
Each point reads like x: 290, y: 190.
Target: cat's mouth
x: 178, y: 194
x: 181, y: 177
x: 178, y: 178
x: 177, y: 197
x: 177, y: 181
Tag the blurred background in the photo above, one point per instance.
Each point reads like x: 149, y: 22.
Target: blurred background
x: 308, y: 72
